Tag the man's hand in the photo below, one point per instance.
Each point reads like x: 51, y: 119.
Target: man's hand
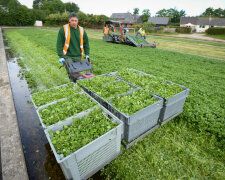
x: 87, y: 56
x: 61, y: 60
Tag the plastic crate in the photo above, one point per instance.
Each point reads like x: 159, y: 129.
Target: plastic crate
x: 141, y: 121
x: 59, y: 122
x: 101, y: 100
x: 55, y: 100
x: 173, y: 106
x: 89, y: 159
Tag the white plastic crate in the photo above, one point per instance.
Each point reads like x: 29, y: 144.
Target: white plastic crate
x: 140, y: 122
x: 173, y: 106
x: 89, y: 159
x: 61, y: 121
x: 36, y: 107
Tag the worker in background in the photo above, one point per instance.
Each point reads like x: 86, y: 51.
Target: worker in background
x: 106, y: 30
x: 142, y: 33
x: 113, y: 28
x: 72, y: 41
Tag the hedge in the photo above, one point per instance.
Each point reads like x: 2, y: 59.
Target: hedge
x: 183, y: 30
x: 19, y: 17
x: 215, y: 31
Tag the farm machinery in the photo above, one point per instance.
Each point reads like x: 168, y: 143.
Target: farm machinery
x: 122, y: 37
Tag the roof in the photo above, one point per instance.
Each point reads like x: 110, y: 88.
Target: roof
x: 137, y: 18
x: 159, y: 20
x: 127, y: 18
x: 112, y: 22
x: 203, y: 21
x: 120, y: 15
x: 186, y: 20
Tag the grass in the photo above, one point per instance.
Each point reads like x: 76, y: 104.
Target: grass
x: 190, y: 48
x: 219, y: 36
x: 202, y: 48
x: 189, y: 147
x: 192, y: 41
x: 41, y: 62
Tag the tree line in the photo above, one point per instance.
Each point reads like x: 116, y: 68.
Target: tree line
x: 55, y: 12
x: 174, y: 14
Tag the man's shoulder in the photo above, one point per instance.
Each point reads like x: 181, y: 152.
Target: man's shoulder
x: 61, y: 29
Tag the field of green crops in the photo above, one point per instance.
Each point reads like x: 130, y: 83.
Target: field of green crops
x: 188, y: 46
x: 189, y: 147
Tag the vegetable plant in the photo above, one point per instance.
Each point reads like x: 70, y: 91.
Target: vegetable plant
x: 155, y: 85
x: 189, y: 146
x: 44, y: 97
x: 96, y: 81
x: 65, y: 109
x: 81, y: 132
x: 112, y: 89
x: 132, y: 103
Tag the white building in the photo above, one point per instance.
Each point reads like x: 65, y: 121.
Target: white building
x: 38, y: 23
x: 201, y: 24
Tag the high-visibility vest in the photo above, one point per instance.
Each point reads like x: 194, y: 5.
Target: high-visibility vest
x: 106, y: 30
x: 66, y: 28
x: 143, y: 32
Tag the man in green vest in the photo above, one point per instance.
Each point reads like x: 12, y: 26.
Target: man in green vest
x: 72, y: 41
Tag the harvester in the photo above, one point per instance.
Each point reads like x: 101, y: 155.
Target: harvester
x: 122, y: 37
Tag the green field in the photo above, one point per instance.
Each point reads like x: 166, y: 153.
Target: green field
x: 188, y: 46
x: 189, y: 147
x: 218, y: 36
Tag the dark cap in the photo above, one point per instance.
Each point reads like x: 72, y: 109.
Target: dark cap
x: 73, y: 14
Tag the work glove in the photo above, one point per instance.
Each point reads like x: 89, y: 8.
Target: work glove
x: 87, y: 56
x: 61, y: 60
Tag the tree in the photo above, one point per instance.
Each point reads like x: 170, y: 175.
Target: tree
x: 136, y: 11
x: 39, y: 14
x: 71, y: 7
x: 145, y: 15
x: 172, y: 13
x: 10, y: 4
x: 37, y: 3
x: 51, y: 7
x: 214, y: 12
x: 162, y: 13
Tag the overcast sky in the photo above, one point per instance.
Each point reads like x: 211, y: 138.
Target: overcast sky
x: 107, y: 7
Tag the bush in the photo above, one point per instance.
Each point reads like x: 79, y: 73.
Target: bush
x: 183, y: 30
x: 215, y: 31
x: 85, y: 20
x: 21, y: 16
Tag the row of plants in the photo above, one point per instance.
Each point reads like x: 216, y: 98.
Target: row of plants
x: 42, y: 96
x: 65, y: 109
x: 97, y: 81
x: 155, y: 85
x: 25, y: 73
x: 132, y: 103
x: 81, y: 132
x: 110, y: 90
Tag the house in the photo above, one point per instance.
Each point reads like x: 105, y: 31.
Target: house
x: 201, y: 24
x: 127, y: 18
x: 159, y: 21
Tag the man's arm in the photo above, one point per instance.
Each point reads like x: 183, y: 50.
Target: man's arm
x: 60, y: 42
x: 86, y: 44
